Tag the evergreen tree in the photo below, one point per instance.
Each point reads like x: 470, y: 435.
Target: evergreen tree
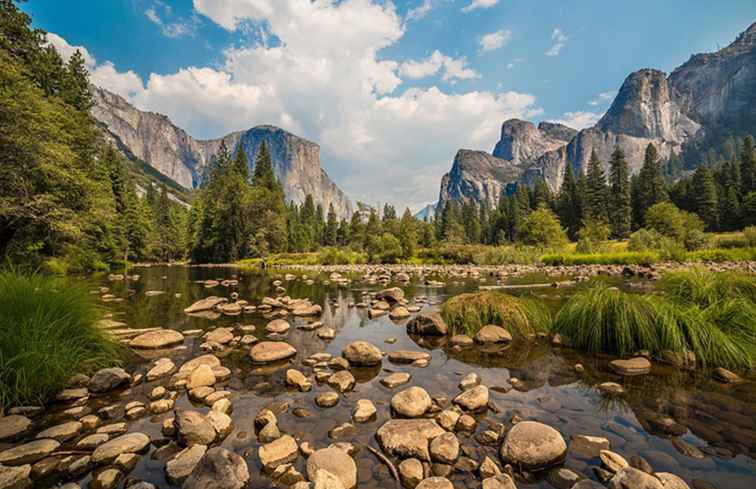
x: 651, y: 189
x: 596, y: 190
x: 705, y: 197
x: 407, y: 234
x: 747, y: 167
x: 331, y: 228
x: 567, y: 204
x: 357, y: 228
x: 471, y: 222
x: 373, y: 229
x: 241, y: 164
x: 75, y: 89
x: 343, y: 234
x: 542, y: 195
x: 620, y: 208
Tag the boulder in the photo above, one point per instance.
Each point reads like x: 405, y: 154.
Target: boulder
x: 15, y: 477
x: 202, y: 376
x: 533, y: 446
x: 218, y: 469
x: 297, y: 379
x: 633, y: 478
x: 206, y: 304
x: 406, y: 438
x: 444, y: 449
x: 435, y: 483
x: 108, y: 379
x: 62, y: 432
x: 161, y: 338
x: 427, y: 324
x: 335, y: 461
x: 221, y: 336
x: 326, y: 480
x: 181, y: 466
x: 473, y: 399
x: 210, y: 360
x: 411, y: 472
x: 110, y: 450
x: 392, y: 296
x: 406, y: 356
x: 613, y: 462
x: 28, y: 453
x: 671, y: 481
x: 501, y: 481
x: 362, y: 353
x: 280, y: 451
x: 271, y: 352
x: 492, y: 334
x: 411, y: 402
x: 588, y: 446
x: 631, y: 366
x: 396, y: 379
x: 364, y: 411
x: 342, y: 381
x: 14, y: 427
x: 278, y: 326
x: 399, y: 312
x: 193, y: 428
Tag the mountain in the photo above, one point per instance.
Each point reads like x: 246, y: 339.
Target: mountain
x: 153, y: 139
x: 427, y: 213
x: 708, y: 97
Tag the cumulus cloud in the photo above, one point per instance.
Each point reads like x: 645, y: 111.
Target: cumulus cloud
x: 495, y: 40
x: 104, y: 74
x: 179, y: 28
x: 452, y: 69
x: 559, y: 40
x: 580, y: 120
x: 602, y: 98
x: 476, y: 4
x: 419, y: 12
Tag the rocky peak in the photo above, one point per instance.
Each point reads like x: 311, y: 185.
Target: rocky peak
x: 522, y: 142
x: 477, y: 176
x: 558, y: 131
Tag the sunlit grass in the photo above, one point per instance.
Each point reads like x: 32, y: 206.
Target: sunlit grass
x: 467, y: 313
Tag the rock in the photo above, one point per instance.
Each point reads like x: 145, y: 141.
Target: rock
x: 492, y: 334
x: 461, y: 340
x: 435, y: 483
x: 399, y: 312
x: 406, y: 438
x: 271, y: 351
x: 469, y: 381
x: 181, y: 466
x: 411, y: 402
x: 210, y: 360
x: 218, y: 469
x: 362, y: 353
x: 326, y: 480
x: 14, y: 427
x: 671, y: 481
x: 501, y: 481
x: 106, y: 479
x: 613, y: 462
x: 364, y: 411
x: 630, y: 477
x: 277, y: 452
x: 15, y: 477
x: 335, y: 461
x: 327, y: 399
x: 445, y: 448
x: 62, y: 432
x: 392, y: 296
x: 193, y: 428
x: 201, y: 376
x: 206, y: 304
x: 278, y: 326
x: 221, y: 423
x: 726, y: 376
x: 473, y: 399
x: 108, y: 379
x: 221, y: 336
x: 405, y: 356
x: 161, y: 368
x: 92, y: 441
x: 396, y: 379
x: 427, y: 324
x: 297, y: 379
x: 587, y: 484
x: 129, y: 443
x: 632, y: 366
x: 161, y: 338
x: 588, y: 446
x: 611, y: 388
x: 488, y: 468
x: 28, y: 453
x: 562, y: 477
x: 533, y: 446
x: 342, y: 381
x: 448, y: 419
x: 411, y: 472
x: 268, y: 433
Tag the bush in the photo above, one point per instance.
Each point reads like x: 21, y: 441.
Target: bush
x: 47, y: 334
x: 467, y: 313
x: 620, y: 258
x: 541, y: 228
x: 479, y: 255
x: 385, y: 249
x: 340, y: 256
x: 683, y: 227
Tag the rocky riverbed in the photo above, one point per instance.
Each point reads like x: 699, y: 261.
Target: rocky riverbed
x: 342, y: 377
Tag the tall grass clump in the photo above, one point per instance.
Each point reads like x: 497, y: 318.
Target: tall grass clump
x: 701, y: 287
x: 467, y: 313
x: 47, y: 334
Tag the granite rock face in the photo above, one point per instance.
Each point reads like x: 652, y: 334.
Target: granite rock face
x: 154, y: 139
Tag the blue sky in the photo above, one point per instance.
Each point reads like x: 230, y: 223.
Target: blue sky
x: 389, y: 90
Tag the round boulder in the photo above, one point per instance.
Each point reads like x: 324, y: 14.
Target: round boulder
x: 362, y: 353
x: 493, y: 334
x: 411, y: 402
x: 533, y: 446
x: 335, y: 461
x: 271, y: 351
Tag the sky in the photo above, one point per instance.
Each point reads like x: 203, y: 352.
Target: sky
x: 390, y: 90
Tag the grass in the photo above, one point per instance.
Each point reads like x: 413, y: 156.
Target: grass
x: 603, y: 319
x: 701, y: 287
x: 611, y: 258
x: 47, y: 334
x: 523, y: 318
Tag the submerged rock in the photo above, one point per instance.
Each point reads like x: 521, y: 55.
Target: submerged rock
x: 108, y: 379
x: 161, y: 338
x: 28, y: 453
x: 492, y: 334
x: 218, y: 469
x: 633, y: 478
x: 631, y: 366
x: 277, y: 452
x: 110, y: 450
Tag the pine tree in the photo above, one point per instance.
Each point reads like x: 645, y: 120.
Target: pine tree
x: 357, y: 229
x: 263, y: 175
x: 542, y: 195
x: 331, y: 228
x: 407, y: 234
x: 651, y: 188
x: 567, y: 204
x: 471, y: 222
x: 75, y: 89
x: 343, y: 234
x: 241, y: 164
x: 747, y: 167
x: 596, y: 190
x: 620, y: 208
x: 705, y: 197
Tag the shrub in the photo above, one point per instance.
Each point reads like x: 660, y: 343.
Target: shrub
x: 683, y: 227
x: 722, y: 255
x: 339, y: 256
x: 47, y: 334
x: 385, y: 249
x: 620, y: 258
x: 541, y: 228
x: 469, y: 312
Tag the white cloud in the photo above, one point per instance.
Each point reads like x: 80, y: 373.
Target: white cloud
x: 514, y: 63
x: 419, y: 12
x: 580, y: 120
x: 475, y: 4
x: 602, y: 98
x: 495, y: 40
x: 179, y: 28
x: 104, y: 74
x: 453, y: 69
x: 559, y: 39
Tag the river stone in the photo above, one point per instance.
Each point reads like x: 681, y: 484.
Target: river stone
x: 218, y: 469
x: 193, y: 428
x: 271, y: 351
x: 62, y: 432
x: 362, y: 353
x: 500, y: 481
x: 205, y: 304
x: 671, y: 481
x: 28, y: 453
x: 161, y: 368
x: 335, y: 461
x: 492, y: 334
x: 533, y: 446
x: 298, y: 380
x: 182, y: 465
x: 161, y: 338
x: 588, y: 446
x: 411, y: 402
x: 342, y: 381
x: 221, y: 422
x: 396, y: 379
x: 406, y: 438
x: 469, y: 381
x: 461, y: 340
x: 445, y: 448
x: 411, y: 472
x: 278, y: 326
x: 326, y: 480
x: 633, y: 478
x: 269, y: 432
x: 327, y: 399
x: 363, y: 411
x: 220, y: 336
x: 399, y: 312
x: 723, y: 375
x: 107, y: 379
x: 110, y: 450
x: 631, y: 366
x: 611, y: 388
x: 587, y: 484
x: 210, y: 360
x: 92, y: 441
x: 277, y: 452
x: 201, y: 376
x: 15, y: 477
x: 428, y: 324
x: 473, y: 399
x: 435, y: 483
x: 13, y: 427
x: 613, y: 462
x: 406, y: 356
x: 392, y: 296
x: 106, y: 479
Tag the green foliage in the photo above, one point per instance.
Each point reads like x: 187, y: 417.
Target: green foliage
x: 523, y: 318
x: 593, y: 235
x: 719, y: 255
x: 650, y: 188
x: 616, y: 258
x: 541, y: 228
x: 340, y: 256
x: 596, y: 192
x: 619, y: 201
x: 47, y: 334
x: 385, y: 248
x: 683, y: 227
x: 703, y: 288
x: 479, y: 255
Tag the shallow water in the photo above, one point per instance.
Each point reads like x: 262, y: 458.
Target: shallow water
x: 679, y: 422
